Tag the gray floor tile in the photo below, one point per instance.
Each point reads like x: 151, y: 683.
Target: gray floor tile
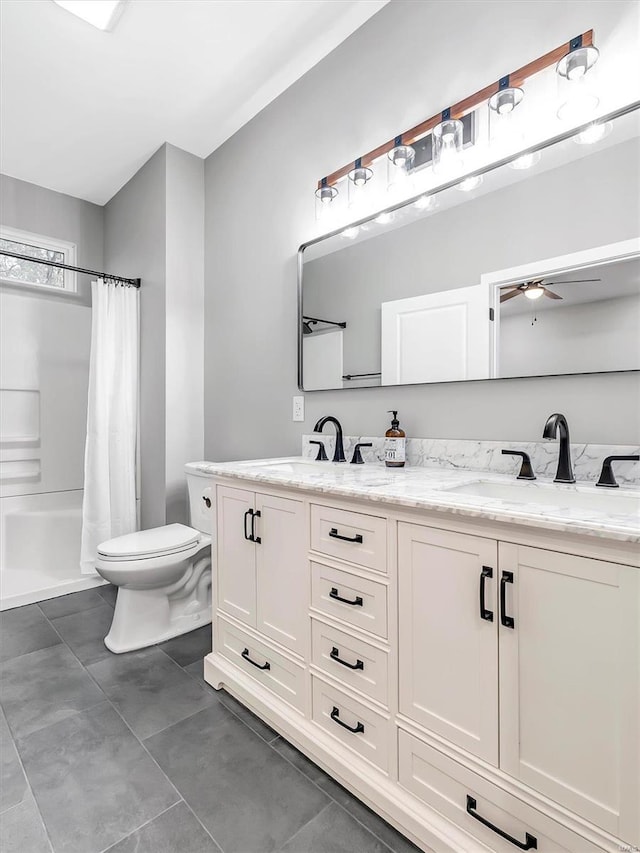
x: 24, y: 630
x: 93, y: 781
x: 72, y: 603
x: 334, y: 831
x: 13, y: 785
x: 45, y: 687
x: 150, y: 690
x: 84, y: 633
x: 310, y: 770
x: 248, y: 717
x: 175, y: 831
x: 22, y: 830
x: 197, y: 670
x: 190, y: 647
x: 373, y: 822
x: 247, y: 796
x: 109, y: 593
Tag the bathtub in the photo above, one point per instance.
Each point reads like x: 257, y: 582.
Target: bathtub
x: 40, y: 548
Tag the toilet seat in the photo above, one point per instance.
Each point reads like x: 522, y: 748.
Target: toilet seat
x: 148, y: 544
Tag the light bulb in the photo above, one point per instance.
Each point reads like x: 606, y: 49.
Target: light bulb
x: 326, y: 194
x: 469, y: 183
x: 350, y: 233
x: 506, y: 100
x: 534, y: 291
x: 384, y: 218
x: 360, y: 175
x: 594, y: 133
x: 526, y: 161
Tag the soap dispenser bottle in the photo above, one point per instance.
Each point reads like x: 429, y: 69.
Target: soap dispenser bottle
x: 394, y: 444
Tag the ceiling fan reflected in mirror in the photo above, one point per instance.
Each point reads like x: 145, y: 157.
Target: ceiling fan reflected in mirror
x: 534, y: 289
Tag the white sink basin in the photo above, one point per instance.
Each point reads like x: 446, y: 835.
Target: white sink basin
x: 287, y: 466
x: 590, y: 498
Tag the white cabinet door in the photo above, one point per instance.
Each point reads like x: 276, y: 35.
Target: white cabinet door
x: 448, y: 652
x: 436, y: 337
x: 236, y: 554
x: 282, y: 571
x: 570, y: 683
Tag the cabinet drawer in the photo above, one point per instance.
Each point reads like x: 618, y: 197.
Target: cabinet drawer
x: 260, y: 661
x: 358, y: 601
x: 367, y: 732
x: 354, y: 662
x: 352, y: 536
x: 455, y: 791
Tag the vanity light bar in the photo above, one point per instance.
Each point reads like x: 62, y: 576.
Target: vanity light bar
x: 457, y: 111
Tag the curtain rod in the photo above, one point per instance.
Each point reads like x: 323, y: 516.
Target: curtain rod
x: 132, y: 282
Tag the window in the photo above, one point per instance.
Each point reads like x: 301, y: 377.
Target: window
x: 16, y: 271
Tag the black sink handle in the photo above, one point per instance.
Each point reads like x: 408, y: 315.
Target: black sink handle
x: 526, y: 471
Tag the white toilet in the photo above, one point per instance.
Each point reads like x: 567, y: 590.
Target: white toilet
x: 163, y: 576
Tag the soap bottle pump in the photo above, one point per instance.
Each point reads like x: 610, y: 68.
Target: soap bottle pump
x: 394, y: 444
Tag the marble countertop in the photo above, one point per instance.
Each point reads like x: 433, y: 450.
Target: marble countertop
x: 540, y: 504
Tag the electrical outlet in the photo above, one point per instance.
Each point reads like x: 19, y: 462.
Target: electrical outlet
x: 298, y: 408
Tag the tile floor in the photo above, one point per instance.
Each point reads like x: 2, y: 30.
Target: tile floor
x: 136, y: 754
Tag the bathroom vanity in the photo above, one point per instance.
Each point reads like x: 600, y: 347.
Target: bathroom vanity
x: 465, y: 660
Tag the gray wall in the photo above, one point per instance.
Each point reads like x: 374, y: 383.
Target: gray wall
x: 184, y: 325
x: 52, y: 214
x: 153, y: 229
x: 388, y: 75
x: 517, y: 224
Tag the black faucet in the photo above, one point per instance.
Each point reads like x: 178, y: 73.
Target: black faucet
x: 338, y: 455
x: 557, y: 423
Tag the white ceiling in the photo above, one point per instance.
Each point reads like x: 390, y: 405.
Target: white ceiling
x: 82, y: 110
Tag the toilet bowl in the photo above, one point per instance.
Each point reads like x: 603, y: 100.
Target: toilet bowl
x: 163, y: 576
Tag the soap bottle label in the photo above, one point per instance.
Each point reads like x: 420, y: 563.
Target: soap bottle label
x: 394, y: 450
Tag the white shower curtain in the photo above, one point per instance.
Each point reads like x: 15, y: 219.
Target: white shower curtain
x: 109, y: 503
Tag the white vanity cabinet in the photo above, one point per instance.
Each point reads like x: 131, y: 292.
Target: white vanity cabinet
x: 476, y: 683
x: 448, y: 653
x: 262, y: 576
x: 532, y: 649
x: 570, y: 681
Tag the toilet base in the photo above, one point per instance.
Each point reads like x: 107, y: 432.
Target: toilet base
x: 145, y: 617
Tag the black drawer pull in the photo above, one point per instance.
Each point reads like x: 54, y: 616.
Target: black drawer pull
x: 530, y: 841
x: 254, y: 538
x: 333, y: 533
x: 245, y: 655
x: 335, y: 716
x: 487, y: 572
x: 507, y: 621
x: 357, y: 602
x: 334, y: 654
x: 248, y: 536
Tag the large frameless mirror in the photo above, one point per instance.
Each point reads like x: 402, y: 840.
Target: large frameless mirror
x: 533, y: 270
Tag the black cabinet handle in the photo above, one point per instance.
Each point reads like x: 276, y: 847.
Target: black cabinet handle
x: 333, y: 533
x: 334, y: 654
x: 248, y: 536
x: 487, y: 572
x: 245, y: 655
x: 357, y: 602
x: 530, y: 841
x: 207, y: 501
x: 507, y: 621
x: 254, y: 538
x: 335, y: 716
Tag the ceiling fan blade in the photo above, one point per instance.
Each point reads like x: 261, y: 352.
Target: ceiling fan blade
x: 550, y: 294
x: 510, y: 294
x: 575, y: 281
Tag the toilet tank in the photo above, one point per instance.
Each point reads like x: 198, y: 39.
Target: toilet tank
x: 200, y: 492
